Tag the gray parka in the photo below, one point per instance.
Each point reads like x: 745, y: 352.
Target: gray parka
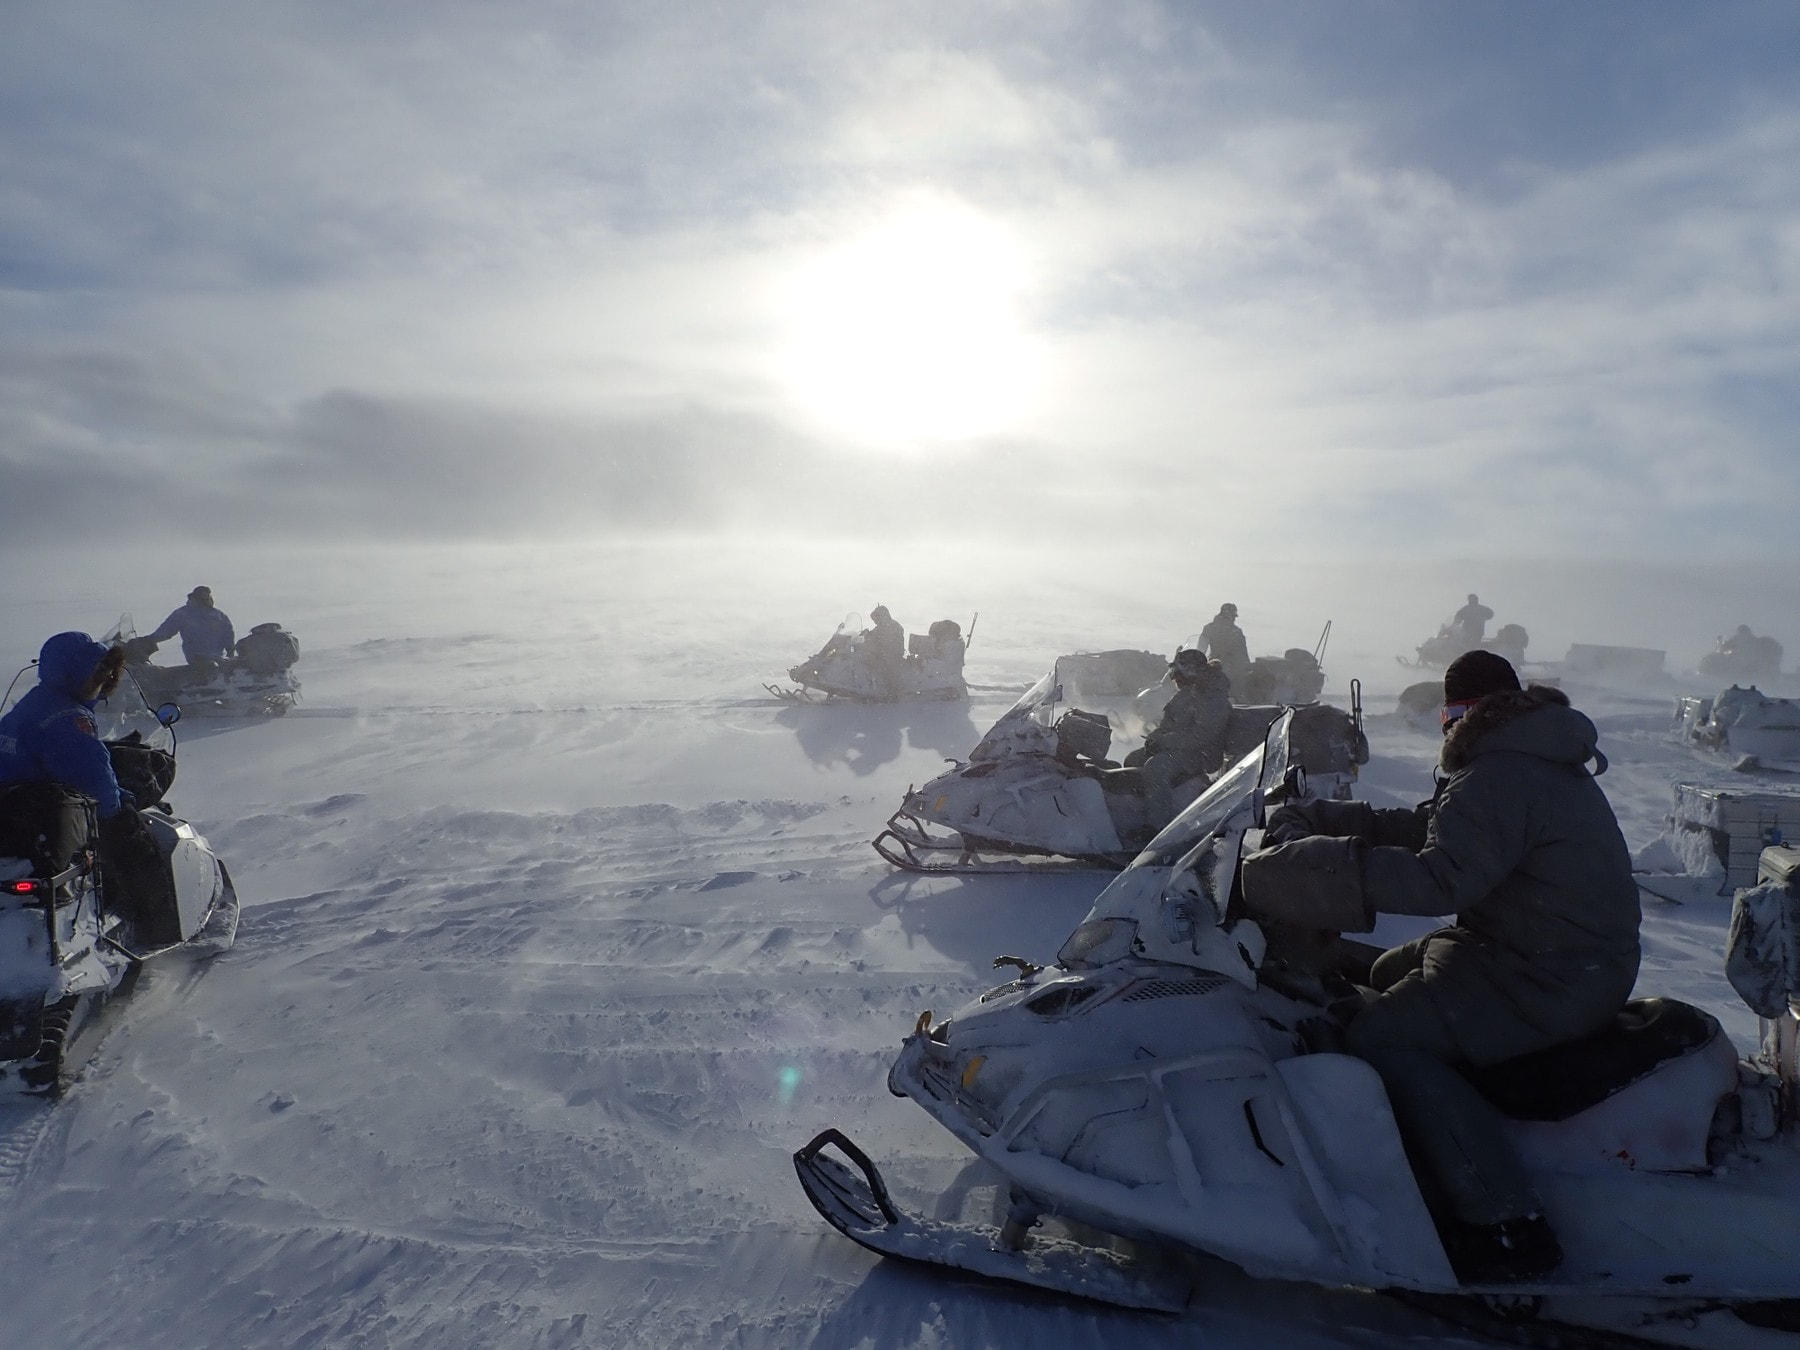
x: 1519, y: 843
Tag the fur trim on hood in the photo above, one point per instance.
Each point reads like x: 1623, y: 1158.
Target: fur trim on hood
x: 1570, y: 740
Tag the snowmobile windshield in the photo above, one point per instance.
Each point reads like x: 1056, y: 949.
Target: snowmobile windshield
x: 1170, y: 902
x: 124, y: 715
x: 1114, y: 684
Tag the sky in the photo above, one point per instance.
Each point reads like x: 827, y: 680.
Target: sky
x: 1499, y: 279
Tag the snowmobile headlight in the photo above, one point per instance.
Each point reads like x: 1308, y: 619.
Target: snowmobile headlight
x: 1098, y: 943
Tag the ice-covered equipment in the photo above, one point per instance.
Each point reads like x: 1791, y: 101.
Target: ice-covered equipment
x: 1045, y: 783
x: 1163, y: 1082
x: 258, y: 681
x: 1746, y: 726
x: 932, y: 667
x: 65, y: 951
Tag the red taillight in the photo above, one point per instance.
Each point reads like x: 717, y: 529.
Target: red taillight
x: 21, y: 887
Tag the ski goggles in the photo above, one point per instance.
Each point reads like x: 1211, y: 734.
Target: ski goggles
x: 1452, y: 713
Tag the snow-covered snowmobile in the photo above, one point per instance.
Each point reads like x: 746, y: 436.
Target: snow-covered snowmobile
x: 1435, y: 653
x: 64, y: 950
x: 1163, y: 1083
x: 1744, y: 656
x: 258, y: 681
x: 931, y: 669
x: 1044, y: 783
x: 1746, y: 726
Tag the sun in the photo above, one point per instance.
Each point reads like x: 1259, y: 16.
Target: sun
x: 910, y: 331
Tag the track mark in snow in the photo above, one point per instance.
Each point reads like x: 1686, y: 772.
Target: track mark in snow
x: 722, y: 880
x: 23, y: 1128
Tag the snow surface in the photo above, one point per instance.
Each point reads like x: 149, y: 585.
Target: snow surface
x: 560, y: 935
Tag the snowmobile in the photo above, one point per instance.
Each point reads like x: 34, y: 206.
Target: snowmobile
x: 257, y: 682
x: 64, y: 950
x: 1748, y: 727
x: 1510, y: 641
x: 1041, y: 790
x: 931, y: 669
x: 1294, y: 677
x: 1743, y: 656
x: 1165, y: 1087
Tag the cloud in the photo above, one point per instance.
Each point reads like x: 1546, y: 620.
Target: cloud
x: 1359, y: 277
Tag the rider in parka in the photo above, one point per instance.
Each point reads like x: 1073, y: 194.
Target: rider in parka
x: 206, y: 632
x: 1224, y: 642
x: 1189, y: 741
x: 884, y: 647
x: 50, y: 735
x: 1521, y: 845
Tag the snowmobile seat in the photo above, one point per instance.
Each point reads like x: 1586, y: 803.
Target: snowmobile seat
x: 1567, y: 1079
x: 46, y: 824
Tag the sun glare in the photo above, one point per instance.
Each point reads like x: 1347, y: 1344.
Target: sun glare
x: 911, y: 332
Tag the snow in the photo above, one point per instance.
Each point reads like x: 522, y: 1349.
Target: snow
x: 560, y: 935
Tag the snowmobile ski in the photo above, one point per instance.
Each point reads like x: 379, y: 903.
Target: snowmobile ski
x: 907, y: 844
x: 859, y: 1207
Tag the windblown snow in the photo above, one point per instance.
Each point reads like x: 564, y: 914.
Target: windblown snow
x: 560, y: 935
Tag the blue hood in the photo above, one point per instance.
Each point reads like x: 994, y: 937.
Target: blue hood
x: 67, y: 660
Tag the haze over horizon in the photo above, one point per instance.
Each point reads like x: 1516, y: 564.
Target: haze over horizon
x: 1498, y: 280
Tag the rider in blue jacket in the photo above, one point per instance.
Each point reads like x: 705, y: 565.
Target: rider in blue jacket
x: 206, y: 633
x: 50, y: 734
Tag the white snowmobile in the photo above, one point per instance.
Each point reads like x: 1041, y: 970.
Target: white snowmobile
x: 1746, y: 726
x: 1041, y: 785
x: 1160, y: 1084
x: 931, y: 669
x: 257, y: 682
x: 64, y: 951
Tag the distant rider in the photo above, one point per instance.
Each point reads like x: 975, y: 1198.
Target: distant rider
x: 1224, y: 641
x: 1189, y: 741
x: 1471, y: 621
x: 206, y: 634
x: 1521, y: 846
x: 51, y: 736
x: 884, y: 648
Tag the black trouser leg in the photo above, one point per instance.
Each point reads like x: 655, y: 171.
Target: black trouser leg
x: 138, y: 885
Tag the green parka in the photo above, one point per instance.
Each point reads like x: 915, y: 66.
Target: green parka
x: 1519, y: 843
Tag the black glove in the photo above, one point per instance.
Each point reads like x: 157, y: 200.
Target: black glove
x: 1287, y: 823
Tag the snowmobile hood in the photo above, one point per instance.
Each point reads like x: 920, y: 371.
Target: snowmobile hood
x: 67, y: 660
x: 1537, y: 721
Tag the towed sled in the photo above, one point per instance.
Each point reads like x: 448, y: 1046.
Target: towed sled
x: 257, y: 682
x: 1040, y: 790
x: 65, y: 952
x: 1747, y: 727
x: 1163, y: 1089
x: 931, y: 669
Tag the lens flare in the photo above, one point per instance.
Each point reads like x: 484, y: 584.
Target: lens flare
x: 788, y: 1082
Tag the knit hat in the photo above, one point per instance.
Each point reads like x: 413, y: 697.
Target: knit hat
x: 1477, y: 674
